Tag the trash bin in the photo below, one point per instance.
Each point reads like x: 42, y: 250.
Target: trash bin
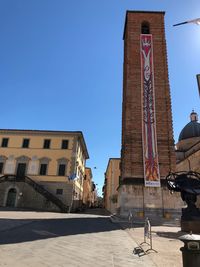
x: 191, y: 250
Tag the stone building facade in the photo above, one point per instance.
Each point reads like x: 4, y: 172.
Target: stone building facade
x: 111, y: 183
x: 147, y: 153
x: 88, y: 189
x: 188, y: 146
x: 42, y: 169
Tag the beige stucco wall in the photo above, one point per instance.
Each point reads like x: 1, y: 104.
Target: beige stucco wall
x: 87, y: 187
x: 112, y: 182
x: 36, y: 150
x: 75, y: 157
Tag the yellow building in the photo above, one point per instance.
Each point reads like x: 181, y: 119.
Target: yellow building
x: 111, y: 184
x: 42, y: 169
x: 88, y: 188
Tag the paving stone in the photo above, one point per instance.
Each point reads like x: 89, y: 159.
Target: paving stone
x: 74, y: 240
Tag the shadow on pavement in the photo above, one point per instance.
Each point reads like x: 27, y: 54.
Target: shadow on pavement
x: 96, y: 211
x: 172, y: 235
x: 37, y: 229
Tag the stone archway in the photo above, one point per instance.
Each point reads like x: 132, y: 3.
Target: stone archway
x: 11, y: 197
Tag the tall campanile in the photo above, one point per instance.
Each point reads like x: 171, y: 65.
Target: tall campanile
x: 147, y: 153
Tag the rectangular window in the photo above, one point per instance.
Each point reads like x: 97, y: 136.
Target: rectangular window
x: 61, y: 170
x: 4, y: 142
x: 1, y: 167
x: 43, y: 169
x: 65, y: 144
x: 25, y: 143
x: 59, y: 191
x: 47, y: 143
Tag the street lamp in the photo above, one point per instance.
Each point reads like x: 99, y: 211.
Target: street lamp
x: 196, y: 21
x: 198, y: 81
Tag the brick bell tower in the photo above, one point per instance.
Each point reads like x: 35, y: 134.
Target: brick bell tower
x: 147, y: 153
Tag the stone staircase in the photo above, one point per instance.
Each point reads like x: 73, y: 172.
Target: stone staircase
x: 38, y: 188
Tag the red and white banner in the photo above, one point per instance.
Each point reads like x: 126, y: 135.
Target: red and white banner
x: 150, y: 153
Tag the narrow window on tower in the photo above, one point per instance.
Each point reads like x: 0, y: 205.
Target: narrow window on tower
x: 145, y: 29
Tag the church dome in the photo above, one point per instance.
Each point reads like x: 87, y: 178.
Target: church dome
x: 192, y: 129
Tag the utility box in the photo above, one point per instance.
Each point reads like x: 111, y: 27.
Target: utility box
x: 191, y: 250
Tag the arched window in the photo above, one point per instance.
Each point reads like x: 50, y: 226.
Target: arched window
x: 145, y: 29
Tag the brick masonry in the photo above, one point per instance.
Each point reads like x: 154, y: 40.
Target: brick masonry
x: 132, y: 153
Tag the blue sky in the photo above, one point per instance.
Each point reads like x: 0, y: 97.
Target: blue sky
x: 61, y: 67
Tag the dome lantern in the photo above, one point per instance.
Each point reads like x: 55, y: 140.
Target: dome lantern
x: 193, y: 116
x: 192, y: 129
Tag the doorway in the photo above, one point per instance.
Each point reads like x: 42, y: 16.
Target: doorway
x: 21, y: 170
x: 11, y: 197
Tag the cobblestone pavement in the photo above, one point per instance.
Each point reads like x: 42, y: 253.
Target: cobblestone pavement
x: 165, y: 242
x: 53, y: 239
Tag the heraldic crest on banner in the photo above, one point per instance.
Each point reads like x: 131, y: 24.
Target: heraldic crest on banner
x: 150, y: 153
